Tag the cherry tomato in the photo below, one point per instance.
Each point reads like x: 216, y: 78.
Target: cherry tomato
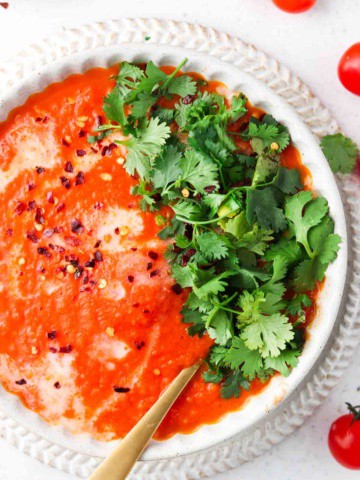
x: 294, y: 6
x: 349, y: 69
x: 344, y: 438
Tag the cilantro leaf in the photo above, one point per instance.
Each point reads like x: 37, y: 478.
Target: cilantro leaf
x: 269, y: 132
x: 239, y: 356
x: 212, y: 246
x: 143, y: 149
x: 305, y: 212
x: 220, y: 328
x: 198, y: 171
x: 266, y: 333
x: 233, y: 384
x: 263, y: 207
x: 114, y: 107
x: 166, y: 167
x: 182, y: 86
x: 128, y: 77
x: 284, y: 362
x: 340, y: 151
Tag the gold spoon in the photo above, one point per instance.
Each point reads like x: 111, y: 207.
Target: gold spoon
x: 119, y: 463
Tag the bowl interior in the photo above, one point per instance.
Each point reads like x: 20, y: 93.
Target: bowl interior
x: 330, y: 298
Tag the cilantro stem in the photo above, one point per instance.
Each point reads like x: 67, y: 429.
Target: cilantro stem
x: 170, y: 77
x: 207, y: 222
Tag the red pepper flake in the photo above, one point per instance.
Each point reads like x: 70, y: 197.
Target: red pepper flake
x: 50, y: 197
x: 100, y: 120
x: 136, y: 305
x: 40, y: 170
x: 90, y: 263
x: 108, y: 149
x: 20, y: 208
x: 68, y: 167
x: 97, y: 244
x: 53, y: 350
x: 85, y: 279
x: 76, y: 226
x: 78, y: 273
x: 48, y: 232
x: 65, y: 142
x: 31, y: 235
x: 80, y: 153
x: 139, y: 345
x: 82, y: 134
x: 188, y: 231
x: 98, y: 205
x: 39, y: 217
x: 31, y: 186
x: 146, y: 311
x: 177, y: 289
x: 73, y: 241
x: 149, y: 266
x: 51, y: 335
x: 153, y: 255
x: 186, y: 257
x: 21, y: 382
x: 121, y: 389
x: 154, y: 273
x: 44, y: 251
x: 80, y: 179
x: 117, y: 231
x: 133, y: 249
x: 50, y: 245
x: 4, y: 5
x: 209, y: 189
x: 9, y: 232
x: 57, y: 385
x: 66, y: 349
x: 31, y: 205
x: 60, y: 207
x: 130, y: 278
x: 188, y: 99
x: 94, y: 150
x: 98, y: 256
x: 65, y: 182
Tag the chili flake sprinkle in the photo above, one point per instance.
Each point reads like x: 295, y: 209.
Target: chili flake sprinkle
x: 153, y: 255
x: 20, y: 208
x: 51, y: 335
x: 21, y: 382
x: 80, y: 178
x: 68, y: 167
x: 40, y: 170
x: 77, y: 226
x: 65, y: 182
x: 66, y: 349
x: 121, y: 389
x: 57, y: 385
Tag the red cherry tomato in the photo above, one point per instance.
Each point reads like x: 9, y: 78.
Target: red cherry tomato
x: 349, y: 69
x: 344, y: 439
x: 294, y: 6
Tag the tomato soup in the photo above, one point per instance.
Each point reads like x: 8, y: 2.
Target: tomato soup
x: 91, y: 329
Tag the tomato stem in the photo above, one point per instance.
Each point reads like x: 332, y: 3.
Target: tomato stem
x: 355, y: 410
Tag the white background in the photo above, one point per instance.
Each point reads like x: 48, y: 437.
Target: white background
x: 311, y: 45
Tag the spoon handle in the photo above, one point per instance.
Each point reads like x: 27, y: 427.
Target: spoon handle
x: 119, y: 463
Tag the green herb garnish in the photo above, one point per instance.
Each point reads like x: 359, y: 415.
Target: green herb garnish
x: 245, y: 238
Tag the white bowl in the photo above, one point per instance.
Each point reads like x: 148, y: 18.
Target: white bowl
x: 328, y: 302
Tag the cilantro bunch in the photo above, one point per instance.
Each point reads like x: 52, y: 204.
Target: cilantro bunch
x: 245, y: 238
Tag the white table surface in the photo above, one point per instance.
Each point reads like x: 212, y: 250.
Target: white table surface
x: 311, y: 45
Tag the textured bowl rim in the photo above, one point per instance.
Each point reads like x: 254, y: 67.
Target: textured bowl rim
x: 178, y: 29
